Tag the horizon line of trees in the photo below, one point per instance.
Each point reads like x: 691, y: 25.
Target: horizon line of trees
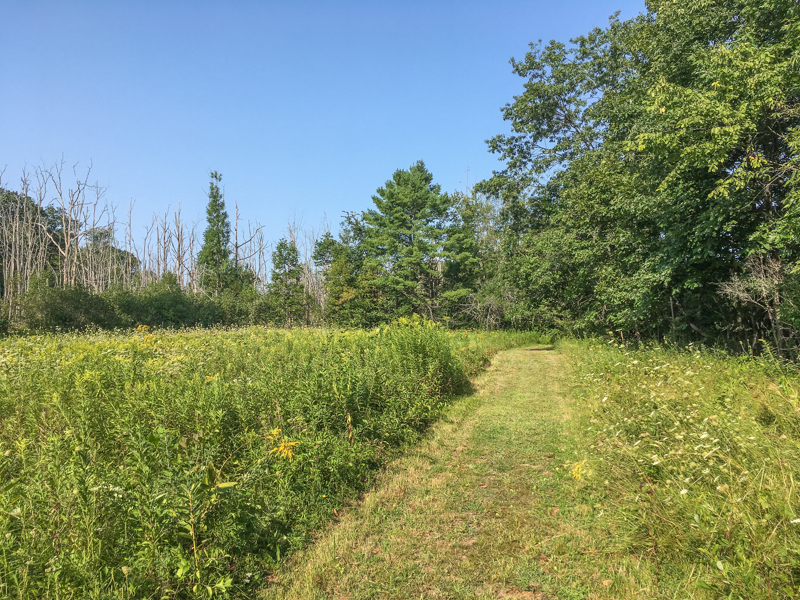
x: 421, y: 251
x: 651, y: 189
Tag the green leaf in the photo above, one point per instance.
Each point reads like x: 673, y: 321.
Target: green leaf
x: 225, y: 484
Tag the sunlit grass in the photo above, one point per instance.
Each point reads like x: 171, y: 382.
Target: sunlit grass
x: 180, y: 464
x: 699, y: 453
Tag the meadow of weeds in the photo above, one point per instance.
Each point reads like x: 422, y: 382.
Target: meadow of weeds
x: 186, y: 464
x: 699, y: 455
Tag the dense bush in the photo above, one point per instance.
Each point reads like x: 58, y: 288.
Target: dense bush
x: 47, y: 307
x: 163, y: 304
x: 160, y: 304
x: 5, y: 322
x: 187, y: 464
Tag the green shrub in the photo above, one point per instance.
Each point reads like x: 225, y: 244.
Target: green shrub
x: 5, y: 321
x: 163, y: 304
x: 46, y: 307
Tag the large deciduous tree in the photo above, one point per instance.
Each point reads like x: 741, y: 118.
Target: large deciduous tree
x: 648, y: 160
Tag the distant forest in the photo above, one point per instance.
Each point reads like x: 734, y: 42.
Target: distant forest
x: 650, y: 189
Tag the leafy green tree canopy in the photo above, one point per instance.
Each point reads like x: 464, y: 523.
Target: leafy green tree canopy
x: 648, y: 160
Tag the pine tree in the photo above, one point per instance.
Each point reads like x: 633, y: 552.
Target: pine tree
x: 353, y: 298
x: 404, y: 237
x: 214, y: 258
x: 286, y: 288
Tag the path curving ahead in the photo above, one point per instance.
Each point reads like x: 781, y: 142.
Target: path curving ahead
x: 486, y: 507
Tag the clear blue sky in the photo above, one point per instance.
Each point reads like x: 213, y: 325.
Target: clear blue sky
x: 304, y: 107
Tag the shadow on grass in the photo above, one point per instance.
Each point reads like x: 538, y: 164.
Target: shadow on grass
x: 541, y: 349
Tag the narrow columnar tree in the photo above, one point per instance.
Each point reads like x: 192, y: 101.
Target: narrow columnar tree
x: 214, y: 259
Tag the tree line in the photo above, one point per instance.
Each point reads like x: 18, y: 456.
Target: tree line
x: 649, y: 188
x: 419, y: 251
x: 651, y: 177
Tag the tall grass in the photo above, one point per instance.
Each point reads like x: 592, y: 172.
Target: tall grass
x: 699, y: 453
x: 185, y: 464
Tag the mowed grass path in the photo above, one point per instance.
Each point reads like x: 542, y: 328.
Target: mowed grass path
x: 487, y: 507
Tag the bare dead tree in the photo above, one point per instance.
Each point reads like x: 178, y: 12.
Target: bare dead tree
x: 76, y: 211
x: 130, y: 266
x: 760, y: 286
x: 23, y: 246
x: 61, y: 222
x: 486, y: 312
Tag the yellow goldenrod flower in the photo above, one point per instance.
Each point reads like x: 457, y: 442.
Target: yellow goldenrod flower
x: 577, y: 470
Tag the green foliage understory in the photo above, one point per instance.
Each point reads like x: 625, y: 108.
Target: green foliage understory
x: 699, y: 455
x: 177, y: 465
x: 159, y: 304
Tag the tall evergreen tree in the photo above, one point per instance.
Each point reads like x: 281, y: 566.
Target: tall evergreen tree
x: 473, y: 289
x: 404, y: 239
x: 461, y: 248
x: 353, y: 298
x: 214, y: 258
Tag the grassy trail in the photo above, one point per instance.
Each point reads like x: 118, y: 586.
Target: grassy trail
x: 487, y: 507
